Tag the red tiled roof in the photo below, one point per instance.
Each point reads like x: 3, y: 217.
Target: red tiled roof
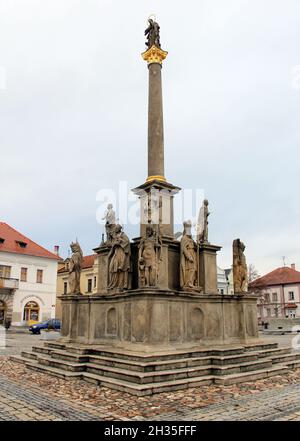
x: 88, y: 262
x: 11, y: 244
x: 280, y: 276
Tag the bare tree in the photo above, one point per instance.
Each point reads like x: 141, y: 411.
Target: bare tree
x: 252, y: 273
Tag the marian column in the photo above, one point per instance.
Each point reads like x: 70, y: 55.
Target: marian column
x: 154, y: 56
x: 156, y: 194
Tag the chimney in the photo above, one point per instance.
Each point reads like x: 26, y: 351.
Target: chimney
x: 293, y: 266
x: 56, y: 250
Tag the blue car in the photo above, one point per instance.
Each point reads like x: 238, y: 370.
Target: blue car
x: 48, y: 324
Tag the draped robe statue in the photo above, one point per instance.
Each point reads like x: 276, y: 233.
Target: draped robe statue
x: 75, y: 263
x: 119, y: 260
x: 110, y: 222
x: 149, y: 257
x: 188, y: 259
x: 202, y: 225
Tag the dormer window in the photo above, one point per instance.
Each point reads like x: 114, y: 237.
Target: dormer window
x: 21, y: 244
x: 2, y: 240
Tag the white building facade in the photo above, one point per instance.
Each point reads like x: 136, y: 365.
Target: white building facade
x: 28, y: 277
x: 225, y: 281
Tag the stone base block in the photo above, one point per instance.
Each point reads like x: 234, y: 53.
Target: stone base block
x: 149, y: 319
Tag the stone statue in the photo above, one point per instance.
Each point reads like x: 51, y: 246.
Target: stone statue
x: 149, y: 258
x: 240, y: 277
x: 152, y: 33
x: 119, y: 260
x: 74, y: 266
x: 110, y: 218
x: 188, y: 259
x: 202, y: 225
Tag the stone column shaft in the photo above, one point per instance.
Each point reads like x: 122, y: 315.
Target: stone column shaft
x: 155, y: 123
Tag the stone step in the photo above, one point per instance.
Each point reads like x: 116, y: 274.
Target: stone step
x: 241, y: 367
x: 60, y: 373
x: 278, y: 351
x: 54, y: 345
x: 165, y: 355
x: 227, y: 380
x: 260, y: 346
x: 162, y: 382
x: 61, y: 364
x: 29, y: 355
x: 174, y: 374
x: 229, y: 359
x: 68, y: 356
x: 150, y: 388
x: 117, y: 384
x: 41, y: 350
x: 68, y: 347
x: 150, y: 366
x: 293, y: 364
x: 17, y: 359
x: 285, y: 357
x: 147, y: 377
x: 171, y: 364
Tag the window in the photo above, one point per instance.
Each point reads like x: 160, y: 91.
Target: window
x: 21, y: 243
x: 23, y: 274
x: 89, y: 288
x: 95, y: 282
x: 39, y: 276
x: 274, y: 296
x: 268, y: 312
x: 222, y: 291
x: 291, y: 295
x: 5, y: 271
x: 267, y: 298
x: 65, y: 287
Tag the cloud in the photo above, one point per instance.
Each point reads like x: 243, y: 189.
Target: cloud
x: 73, y: 115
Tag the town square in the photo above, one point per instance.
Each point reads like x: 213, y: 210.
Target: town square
x: 149, y: 258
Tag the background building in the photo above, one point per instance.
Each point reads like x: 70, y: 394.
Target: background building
x: 279, y: 294
x: 88, y: 281
x: 28, y: 274
x: 225, y: 281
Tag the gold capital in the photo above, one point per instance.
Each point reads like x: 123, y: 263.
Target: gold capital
x: 156, y: 178
x: 154, y: 55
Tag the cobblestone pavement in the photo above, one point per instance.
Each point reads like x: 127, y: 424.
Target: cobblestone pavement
x: 18, y: 403
x: 264, y: 406
x: 28, y: 395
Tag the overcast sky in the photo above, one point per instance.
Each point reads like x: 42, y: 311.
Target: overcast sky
x: 73, y: 116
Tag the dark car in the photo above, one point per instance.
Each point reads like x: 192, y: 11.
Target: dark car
x: 48, y: 324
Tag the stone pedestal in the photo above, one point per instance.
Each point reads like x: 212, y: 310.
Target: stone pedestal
x: 156, y: 198
x: 208, y: 268
x: 157, y: 317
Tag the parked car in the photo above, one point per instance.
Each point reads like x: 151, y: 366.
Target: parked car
x: 48, y: 324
